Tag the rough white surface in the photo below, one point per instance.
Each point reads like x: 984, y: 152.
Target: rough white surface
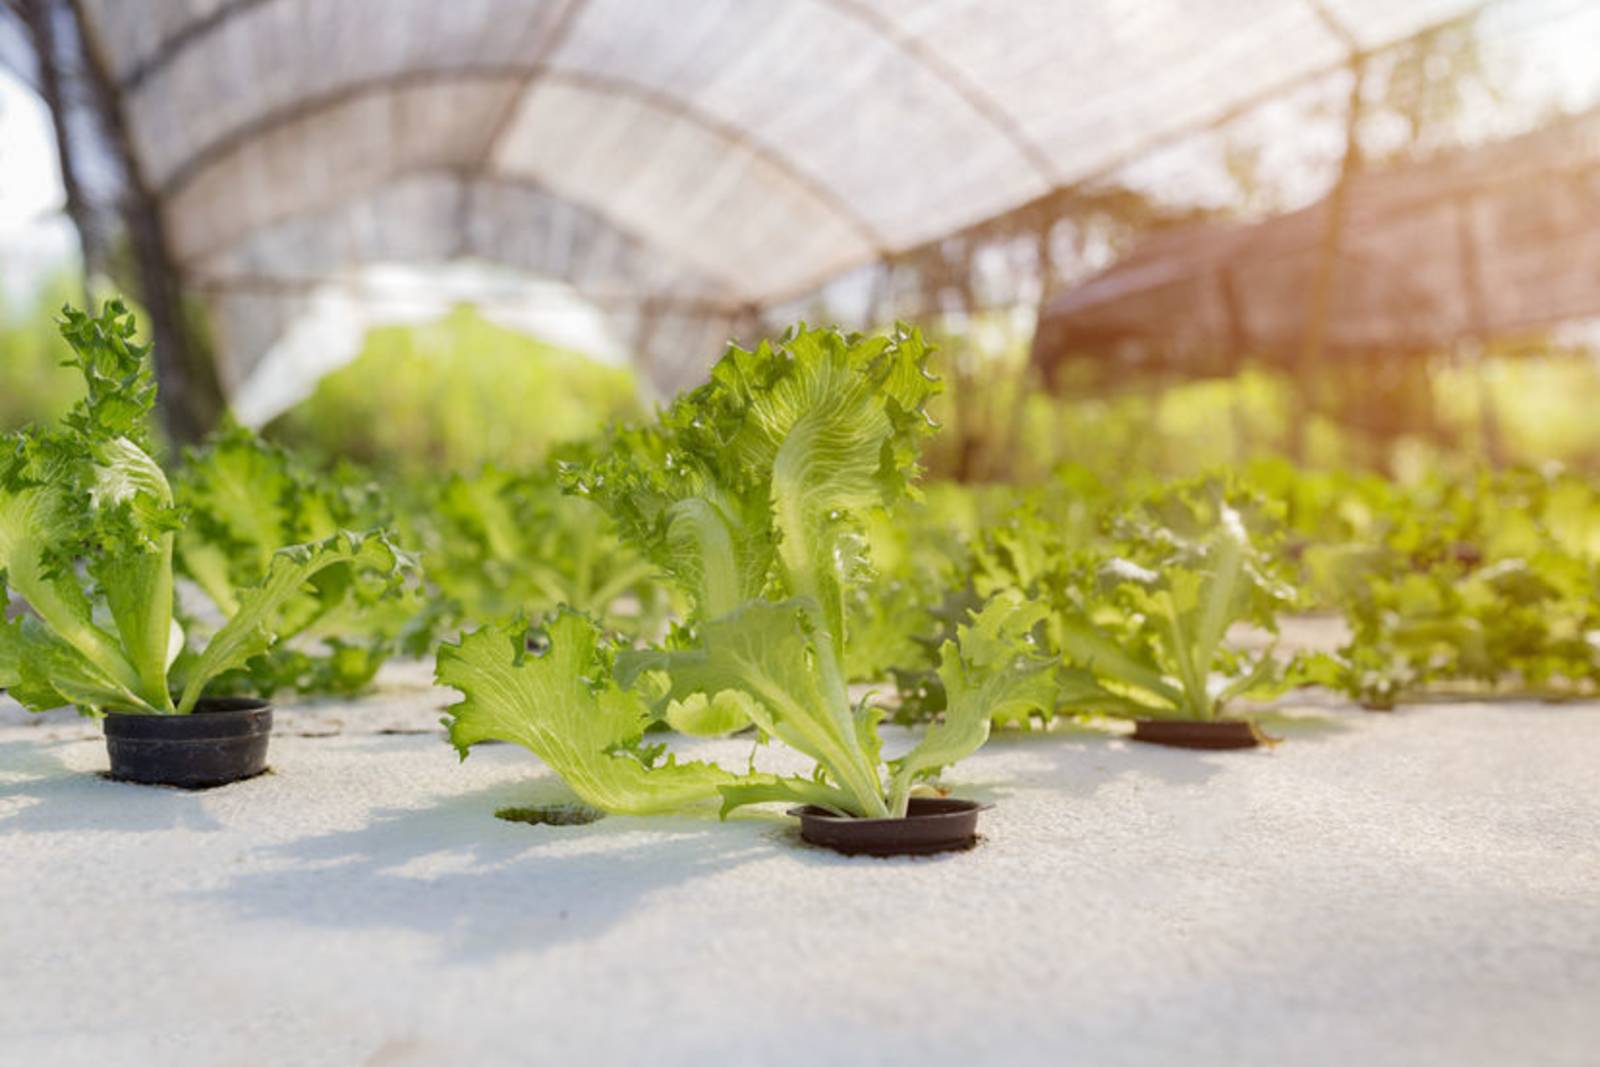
x: 1380, y: 889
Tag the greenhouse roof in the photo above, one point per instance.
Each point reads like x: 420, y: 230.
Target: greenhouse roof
x: 697, y: 162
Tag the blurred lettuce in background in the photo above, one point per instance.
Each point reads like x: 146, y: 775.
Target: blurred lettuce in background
x: 34, y: 386
x: 455, y: 394
x: 462, y: 393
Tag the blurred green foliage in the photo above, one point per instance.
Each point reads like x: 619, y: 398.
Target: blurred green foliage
x: 1519, y: 403
x: 34, y: 386
x: 499, y: 542
x: 452, y: 395
x: 460, y: 393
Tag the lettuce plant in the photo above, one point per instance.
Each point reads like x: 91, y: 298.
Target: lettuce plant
x: 1141, y: 618
x: 88, y: 523
x: 1486, y: 584
x: 750, y: 495
x: 245, y: 499
x: 921, y: 551
x: 501, y: 542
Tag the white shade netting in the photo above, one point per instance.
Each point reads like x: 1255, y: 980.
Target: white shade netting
x: 674, y: 162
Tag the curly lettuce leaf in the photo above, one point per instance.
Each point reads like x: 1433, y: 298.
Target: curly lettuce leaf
x: 135, y: 576
x: 245, y: 499
x: 769, y: 652
x: 502, y: 542
x: 757, y: 481
x: 761, y: 789
x: 994, y: 672
x: 118, y: 375
x: 698, y: 715
x: 567, y: 709
x: 712, y: 538
x: 250, y: 633
x: 35, y: 518
x: 52, y: 674
x: 833, y: 424
x: 236, y: 490
x: 90, y: 495
x: 1141, y: 620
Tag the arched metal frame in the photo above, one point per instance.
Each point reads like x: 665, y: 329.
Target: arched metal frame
x: 664, y: 103
x: 728, y: 306
x: 196, y: 32
x: 543, y: 67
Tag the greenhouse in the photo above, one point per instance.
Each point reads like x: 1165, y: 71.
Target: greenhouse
x: 799, y: 531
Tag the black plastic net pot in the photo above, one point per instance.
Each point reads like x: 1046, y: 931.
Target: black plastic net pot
x: 932, y: 824
x: 1214, y: 734
x: 223, y: 740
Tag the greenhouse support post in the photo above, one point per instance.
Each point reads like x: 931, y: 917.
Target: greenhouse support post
x: 36, y: 16
x: 1478, y: 321
x: 1044, y: 255
x: 191, y: 398
x: 1321, y: 297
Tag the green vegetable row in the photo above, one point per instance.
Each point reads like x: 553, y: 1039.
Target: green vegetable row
x: 741, y: 562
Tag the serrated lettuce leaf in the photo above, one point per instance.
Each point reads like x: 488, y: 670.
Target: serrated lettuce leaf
x: 756, y: 483
x: 249, y: 632
x: 834, y: 428
x: 993, y: 673
x: 711, y: 537
x: 566, y: 708
x: 136, y: 578
x: 701, y: 716
x: 34, y: 522
x: 769, y: 652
